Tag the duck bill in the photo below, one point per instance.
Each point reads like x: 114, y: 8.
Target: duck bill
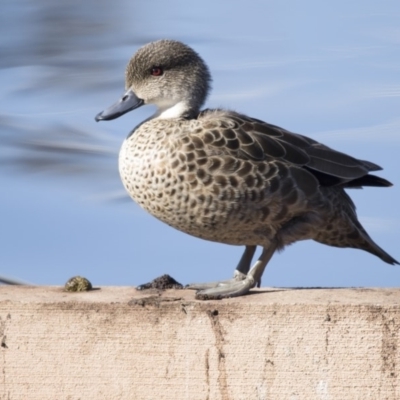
x: 128, y: 102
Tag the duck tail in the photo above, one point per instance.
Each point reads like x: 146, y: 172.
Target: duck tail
x: 366, y: 243
x: 374, y: 249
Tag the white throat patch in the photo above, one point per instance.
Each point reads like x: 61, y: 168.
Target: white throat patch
x: 175, y: 111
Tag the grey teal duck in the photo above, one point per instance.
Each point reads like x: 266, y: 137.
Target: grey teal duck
x: 229, y: 178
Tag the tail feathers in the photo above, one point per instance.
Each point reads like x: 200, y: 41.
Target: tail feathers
x: 368, y: 180
x: 345, y: 230
x: 374, y: 249
x: 367, y: 244
x: 357, y: 238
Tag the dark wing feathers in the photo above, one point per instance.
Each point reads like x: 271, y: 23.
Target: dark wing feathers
x: 371, y: 166
x: 339, y: 167
x: 325, y: 153
x: 368, y: 180
x: 275, y: 149
x: 294, y: 154
x: 253, y: 139
x: 264, y: 128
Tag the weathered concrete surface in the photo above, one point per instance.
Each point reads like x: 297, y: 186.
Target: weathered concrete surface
x: 116, y: 343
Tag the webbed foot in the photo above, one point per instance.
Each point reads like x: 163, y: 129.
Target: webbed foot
x: 243, y: 279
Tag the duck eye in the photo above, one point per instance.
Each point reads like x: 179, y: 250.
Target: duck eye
x: 156, y: 71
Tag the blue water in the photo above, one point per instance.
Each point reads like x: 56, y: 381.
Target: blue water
x: 327, y: 70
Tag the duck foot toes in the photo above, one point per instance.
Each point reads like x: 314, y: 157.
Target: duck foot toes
x: 209, y: 285
x: 232, y: 289
x: 206, y: 285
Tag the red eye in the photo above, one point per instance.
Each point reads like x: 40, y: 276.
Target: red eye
x: 156, y: 71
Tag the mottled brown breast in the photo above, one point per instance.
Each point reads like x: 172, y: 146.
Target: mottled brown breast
x: 189, y: 177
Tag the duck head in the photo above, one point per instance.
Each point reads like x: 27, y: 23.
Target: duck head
x: 168, y: 74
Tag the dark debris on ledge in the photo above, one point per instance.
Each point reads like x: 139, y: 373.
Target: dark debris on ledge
x: 163, y: 282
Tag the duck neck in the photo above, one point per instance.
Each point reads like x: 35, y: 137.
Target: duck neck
x: 178, y: 110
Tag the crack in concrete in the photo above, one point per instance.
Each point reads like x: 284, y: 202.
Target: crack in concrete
x: 390, y: 353
x: 207, y: 361
x: 219, y: 340
x: 3, y: 325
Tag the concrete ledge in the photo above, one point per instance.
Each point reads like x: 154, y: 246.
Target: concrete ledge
x: 116, y: 343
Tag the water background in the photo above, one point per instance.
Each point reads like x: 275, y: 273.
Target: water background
x: 327, y: 70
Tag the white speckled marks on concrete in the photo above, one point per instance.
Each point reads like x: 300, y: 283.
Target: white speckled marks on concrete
x: 116, y: 343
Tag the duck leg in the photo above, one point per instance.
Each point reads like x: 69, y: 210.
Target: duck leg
x: 238, y: 287
x: 244, y: 264
x: 240, y: 272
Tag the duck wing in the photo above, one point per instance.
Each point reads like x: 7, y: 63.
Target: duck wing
x: 252, y: 139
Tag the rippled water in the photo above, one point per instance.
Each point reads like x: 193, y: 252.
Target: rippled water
x: 330, y: 71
